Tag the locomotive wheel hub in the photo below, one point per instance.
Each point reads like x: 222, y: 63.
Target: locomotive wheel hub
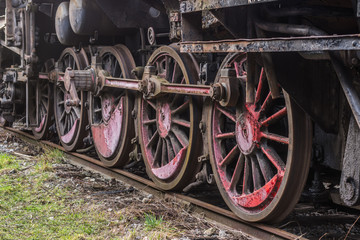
x: 163, y: 118
x: 67, y: 98
x: 246, y: 132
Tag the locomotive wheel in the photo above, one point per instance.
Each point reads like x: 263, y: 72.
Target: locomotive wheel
x: 260, y: 152
x: 46, y: 103
x: 110, y: 112
x: 168, y: 125
x: 70, y: 120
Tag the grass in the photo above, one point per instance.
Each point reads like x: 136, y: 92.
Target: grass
x: 36, y: 204
x: 49, y: 157
x: 8, y: 162
x: 28, y: 210
x: 152, y: 222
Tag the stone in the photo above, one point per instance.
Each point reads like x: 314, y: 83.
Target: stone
x: 222, y: 234
x: 210, y: 231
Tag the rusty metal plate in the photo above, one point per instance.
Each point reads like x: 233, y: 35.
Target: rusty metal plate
x: 200, y: 5
x: 294, y: 44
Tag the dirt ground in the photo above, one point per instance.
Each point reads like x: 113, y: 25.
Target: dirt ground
x: 85, y: 205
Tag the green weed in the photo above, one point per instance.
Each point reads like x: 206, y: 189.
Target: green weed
x: 152, y: 222
x: 7, y: 162
x: 49, y: 157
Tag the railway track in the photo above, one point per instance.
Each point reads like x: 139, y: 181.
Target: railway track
x: 210, y: 211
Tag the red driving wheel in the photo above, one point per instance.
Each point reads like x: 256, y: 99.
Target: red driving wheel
x: 168, y: 125
x: 260, y: 151
x: 110, y: 111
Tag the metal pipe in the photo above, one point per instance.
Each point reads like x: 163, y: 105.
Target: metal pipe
x: 301, y: 30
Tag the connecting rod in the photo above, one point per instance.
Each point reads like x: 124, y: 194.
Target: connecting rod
x: 151, y: 86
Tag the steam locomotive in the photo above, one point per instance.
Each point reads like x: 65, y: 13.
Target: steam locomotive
x: 248, y: 94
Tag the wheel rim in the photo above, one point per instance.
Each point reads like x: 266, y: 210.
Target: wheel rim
x: 45, y: 109
x: 111, y: 124
x: 168, y: 124
x: 70, y: 120
x: 252, y: 149
x: 45, y: 96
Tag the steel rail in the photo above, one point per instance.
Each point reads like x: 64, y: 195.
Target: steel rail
x: 220, y: 215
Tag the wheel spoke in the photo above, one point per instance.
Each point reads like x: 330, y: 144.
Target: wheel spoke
x: 273, y: 118
x: 61, y: 103
x: 265, y: 166
x: 237, y: 172
x: 151, y: 104
x: 44, y: 103
x: 260, y: 86
x: 65, y: 124
x: 258, y: 181
x: 149, y: 122
x: 266, y: 103
x: 176, y: 99
x: 230, y: 156
x: 117, y: 99
x: 74, y: 114
x: 228, y: 114
x: 41, y: 112
x: 273, y: 157
x: 276, y: 138
x: 182, y: 80
x: 63, y: 115
x: 167, y: 68
x: 181, y: 136
x: 71, y: 122
x: 157, y: 155
x: 247, y: 177
x: 181, y: 122
x: 225, y: 135
x: 62, y: 89
x: 174, y: 71
x: 181, y: 108
x: 175, y: 142
x: 116, y: 66
x: 170, y: 150
x: 236, y: 66
x: 164, y: 155
x: 153, y: 139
